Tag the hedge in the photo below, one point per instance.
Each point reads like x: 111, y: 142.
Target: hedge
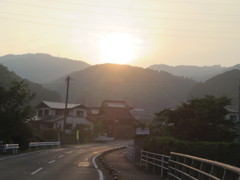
x: 228, y: 153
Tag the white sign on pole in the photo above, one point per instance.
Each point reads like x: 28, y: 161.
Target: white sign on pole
x: 142, y: 131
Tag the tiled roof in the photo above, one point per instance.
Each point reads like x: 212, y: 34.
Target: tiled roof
x: 229, y: 109
x: 115, y: 104
x: 60, y: 105
x: 123, y: 115
x: 94, y: 110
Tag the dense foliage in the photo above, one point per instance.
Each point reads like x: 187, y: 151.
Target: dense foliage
x: 200, y: 119
x: 218, y: 151
x: 223, y: 84
x: 15, y: 111
x: 41, y: 93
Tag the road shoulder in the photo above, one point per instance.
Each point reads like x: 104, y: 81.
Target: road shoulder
x: 125, y: 169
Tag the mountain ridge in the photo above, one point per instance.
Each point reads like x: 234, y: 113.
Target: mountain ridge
x: 140, y: 87
x: 41, y: 93
x: 225, y: 84
x: 197, y: 73
x: 39, y: 67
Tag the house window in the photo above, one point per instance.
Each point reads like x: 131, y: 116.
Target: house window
x: 59, y: 112
x: 46, y: 112
x: 80, y: 113
x: 68, y: 126
x: 233, y: 117
x: 40, y: 113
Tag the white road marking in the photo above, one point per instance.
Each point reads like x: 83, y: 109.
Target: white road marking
x: 84, y: 164
x: 69, y: 152
x: 50, y: 162
x: 34, y: 172
x: 96, y: 166
x: 61, y: 156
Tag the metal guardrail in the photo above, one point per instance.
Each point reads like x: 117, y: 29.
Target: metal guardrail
x: 154, y: 160
x: 13, y: 147
x: 43, y: 144
x: 130, y: 151
x: 183, y: 166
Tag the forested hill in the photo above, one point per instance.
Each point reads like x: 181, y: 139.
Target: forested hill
x: 41, y: 68
x: 6, y: 77
x: 197, y: 73
x: 140, y: 87
x: 223, y: 84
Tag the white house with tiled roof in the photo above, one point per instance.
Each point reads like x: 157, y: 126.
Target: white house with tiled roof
x: 232, y: 114
x: 50, y: 115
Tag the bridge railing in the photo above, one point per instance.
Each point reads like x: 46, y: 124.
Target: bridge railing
x: 43, y: 144
x: 183, y: 166
x: 154, y: 161
x: 13, y: 147
x: 130, y: 152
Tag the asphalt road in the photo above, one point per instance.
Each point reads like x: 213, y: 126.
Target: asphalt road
x: 69, y: 163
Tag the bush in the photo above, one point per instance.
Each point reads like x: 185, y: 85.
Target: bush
x: 228, y: 153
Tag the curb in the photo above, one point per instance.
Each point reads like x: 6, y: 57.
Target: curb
x: 112, y: 171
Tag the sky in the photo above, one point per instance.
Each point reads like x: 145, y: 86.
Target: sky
x: 135, y: 32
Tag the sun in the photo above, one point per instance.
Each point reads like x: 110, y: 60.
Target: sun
x: 117, y: 48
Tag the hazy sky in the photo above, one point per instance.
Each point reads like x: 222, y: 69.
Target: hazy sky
x: 136, y: 32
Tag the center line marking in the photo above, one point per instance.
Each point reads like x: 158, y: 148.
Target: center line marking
x: 34, y: 172
x: 60, y: 156
x: 50, y: 162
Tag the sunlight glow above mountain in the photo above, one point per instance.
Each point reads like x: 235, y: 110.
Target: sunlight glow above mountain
x: 118, y: 48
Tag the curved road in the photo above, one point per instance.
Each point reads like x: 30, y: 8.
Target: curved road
x: 69, y: 163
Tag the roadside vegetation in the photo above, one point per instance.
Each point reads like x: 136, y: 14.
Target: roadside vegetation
x: 198, y: 127
x: 15, y: 112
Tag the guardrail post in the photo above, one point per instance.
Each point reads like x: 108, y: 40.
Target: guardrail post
x: 154, y: 163
x: 141, y: 158
x: 162, y: 159
x: 146, y: 154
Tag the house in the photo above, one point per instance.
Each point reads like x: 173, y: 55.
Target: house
x: 50, y: 115
x: 232, y: 114
x: 116, y: 118
x: 93, y: 114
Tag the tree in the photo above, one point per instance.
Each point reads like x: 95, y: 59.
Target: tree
x: 200, y: 119
x: 14, y: 113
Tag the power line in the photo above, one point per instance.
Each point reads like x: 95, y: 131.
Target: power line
x: 111, y: 30
x: 120, y: 14
x: 124, y: 25
x: 150, y: 10
x: 158, y: 1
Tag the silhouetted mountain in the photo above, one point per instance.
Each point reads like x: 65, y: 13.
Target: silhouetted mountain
x: 197, y: 73
x: 41, y: 68
x: 223, y: 84
x: 140, y: 87
x: 237, y: 66
x: 6, y: 77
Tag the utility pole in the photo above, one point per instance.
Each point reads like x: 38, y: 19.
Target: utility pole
x: 66, y: 103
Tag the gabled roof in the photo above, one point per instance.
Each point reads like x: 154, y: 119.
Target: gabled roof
x: 94, y: 110
x: 117, y: 110
x: 231, y: 110
x: 59, y: 105
x: 115, y: 104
